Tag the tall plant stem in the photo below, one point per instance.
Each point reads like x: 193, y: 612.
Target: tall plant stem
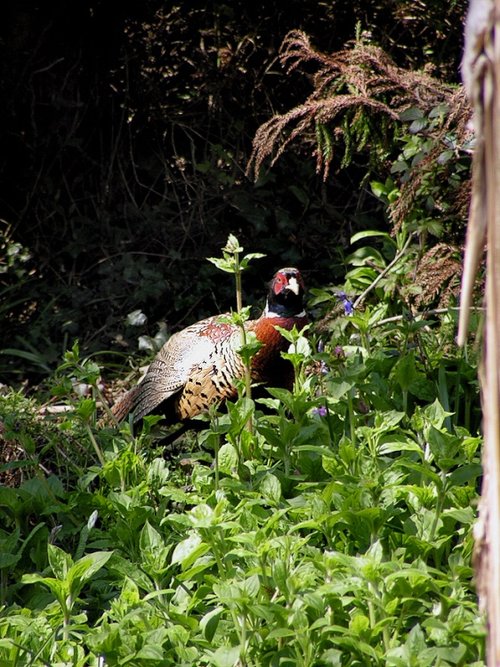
x: 239, y: 307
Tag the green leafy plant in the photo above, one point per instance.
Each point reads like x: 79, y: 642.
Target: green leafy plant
x: 230, y: 262
x: 68, y: 580
x: 337, y: 532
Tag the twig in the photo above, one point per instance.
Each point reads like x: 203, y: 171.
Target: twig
x: 396, y: 259
x: 423, y: 314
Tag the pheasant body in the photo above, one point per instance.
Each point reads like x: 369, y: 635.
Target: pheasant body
x: 199, y: 365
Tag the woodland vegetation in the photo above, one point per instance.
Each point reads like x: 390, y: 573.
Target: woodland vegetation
x: 136, y: 137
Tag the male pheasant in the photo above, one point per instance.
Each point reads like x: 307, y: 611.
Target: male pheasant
x: 199, y: 365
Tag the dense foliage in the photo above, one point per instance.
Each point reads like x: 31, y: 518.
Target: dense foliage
x: 329, y: 525
x: 335, y: 531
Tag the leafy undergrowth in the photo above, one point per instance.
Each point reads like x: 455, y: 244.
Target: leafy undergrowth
x: 331, y: 525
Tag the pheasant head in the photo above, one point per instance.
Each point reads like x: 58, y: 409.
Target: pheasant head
x: 286, y: 295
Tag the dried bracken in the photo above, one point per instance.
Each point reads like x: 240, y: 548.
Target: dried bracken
x: 438, y: 276
x: 361, y: 79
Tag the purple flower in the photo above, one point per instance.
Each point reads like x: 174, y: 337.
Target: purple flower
x: 321, y: 411
x: 348, y: 305
x: 338, y: 351
x: 323, y: 368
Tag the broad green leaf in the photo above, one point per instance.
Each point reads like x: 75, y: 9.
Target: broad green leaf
x: 251, y: 586
x: 404, y: 371
x: 130, y: 592
x: 338, y: 388
x: 210, y: 622
x: 401, y: 445
x: 445, y: 156
x: 364, y: 255
x: 124, y: 568
x: 386, y: 421
x: 8, y: 560
x: 463, y: 515
x: 186, y: 549
x: 361, y: 277
x: 86, y: 408
x: 439, y: 111
x: 359, y: 624
x: 444, y: 447
x: 411, y: 114
x: 228, y: 458
x: 465, y: 474
x: 224, y: 656
x: 59, y: 589
x: 59, y: 561
x: 150, y: 539
x: 270, y: 487
x: 417, y: 125
x: 202, y: 516
x: 85, y: 568
x: 150, y: 653
x: 281, y: 633
x: 245, y: 261
x: 436, y: 414
x: 226, y: 265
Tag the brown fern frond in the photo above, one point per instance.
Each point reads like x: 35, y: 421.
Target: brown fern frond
x: 296, y: 49
x: 275, y: 135
x: 438, y: 275
x: 272, y: 133
x: 361, y: 77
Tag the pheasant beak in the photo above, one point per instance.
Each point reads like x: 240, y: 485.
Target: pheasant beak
x: 293, y: 286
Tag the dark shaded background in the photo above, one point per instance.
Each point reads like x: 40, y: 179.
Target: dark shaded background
x: 125, y: 132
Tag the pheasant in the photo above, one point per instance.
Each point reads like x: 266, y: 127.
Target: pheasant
x: 199, y: 365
